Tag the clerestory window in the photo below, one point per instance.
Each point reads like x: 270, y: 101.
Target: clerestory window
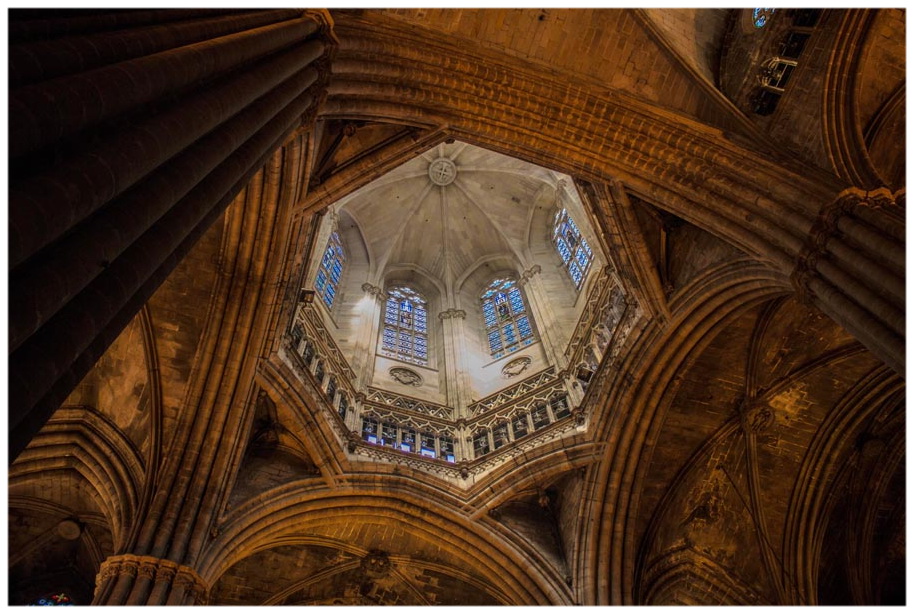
x: 328, y: 277
x: 760, y: 17
x: 405, y: 327
x: 507, y: 320
x: 572, y: 247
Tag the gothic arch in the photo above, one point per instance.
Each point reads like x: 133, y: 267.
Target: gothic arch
x: 292, y: 510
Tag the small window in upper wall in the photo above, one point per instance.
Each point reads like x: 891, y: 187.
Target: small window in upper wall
x: 572, y: 247
x: 508, y: 323
x: 404, y: 333
x: 327, y: 281
x: 761, y: 16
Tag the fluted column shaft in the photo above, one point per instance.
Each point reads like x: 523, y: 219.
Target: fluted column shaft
x: 850, y: 268
x: 128, y: 579
x: 97, y: 221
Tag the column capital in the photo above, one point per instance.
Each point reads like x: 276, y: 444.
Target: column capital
x: 825, y: 228
x: 375, y: 291
x: 452, y: 313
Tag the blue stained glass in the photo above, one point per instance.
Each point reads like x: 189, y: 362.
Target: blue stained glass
x: 320, y: 281
x: 329, y: 295
x: 563, y: 250
x: 582, y: 259
x: 571, y: 223
x: 336, y: 271
x: 390, y: 337
x: 510, y: 335
x: 328, y: 257
x: 575, y: 274
x: 494, y: 340
x: 523, y: 325
x: 586, y: 248
x: 517, y: 302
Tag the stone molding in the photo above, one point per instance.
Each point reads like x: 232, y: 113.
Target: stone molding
x: 825, y: 228
x: 452, y: 313
x: 154, y: 568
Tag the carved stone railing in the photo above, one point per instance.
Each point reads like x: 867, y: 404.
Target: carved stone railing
x: 596, y: 302
x: 530, y: 442
x: 383, y: 398
x: 418, y: 422
x: 495, y: 419
x: 514, y: 392
x: 317, y: 332
x: 541, y: 390
x: 415, y: 461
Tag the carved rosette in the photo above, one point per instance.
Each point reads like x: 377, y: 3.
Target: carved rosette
x: 376, y: 564
x: 755, y: 417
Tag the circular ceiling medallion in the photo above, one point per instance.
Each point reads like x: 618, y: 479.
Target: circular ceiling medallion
x: 442, y: 172
x: 68, y: 529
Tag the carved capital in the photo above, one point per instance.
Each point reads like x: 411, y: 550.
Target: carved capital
x: 374, y: 291
x: 527, y: 275
x: 452, y: 313
x: 147, y: 569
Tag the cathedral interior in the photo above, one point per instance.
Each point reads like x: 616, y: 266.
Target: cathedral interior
x: 456, y: 306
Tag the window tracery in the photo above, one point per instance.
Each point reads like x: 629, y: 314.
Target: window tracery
x: 572, y: 247
x: 507, y: 320
x: 405, y: 329
x: 331, y: 270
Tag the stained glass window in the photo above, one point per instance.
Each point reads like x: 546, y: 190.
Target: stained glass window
x: 328, y: 277
x: 506, y: 317
x: 405, y: 328
x: 56, y: 599
x: 572, y: 247
x: 761, y: 16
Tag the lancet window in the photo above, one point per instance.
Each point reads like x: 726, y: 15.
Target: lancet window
x: 572, y: 247
x: 405, y: 327
x: 506, y: 317
x: 328, y: 277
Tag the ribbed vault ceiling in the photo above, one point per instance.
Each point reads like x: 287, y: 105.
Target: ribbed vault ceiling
x: 409, y: 221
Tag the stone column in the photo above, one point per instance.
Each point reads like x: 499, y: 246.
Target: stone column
x: 367, y: 335
x: 852, y: 268
x: 128, y: 579
x: 111, y: 182
x: 456, y: 369
x: 543, y: 316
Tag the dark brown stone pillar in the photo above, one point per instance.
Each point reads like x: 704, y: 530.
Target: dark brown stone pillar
x: 852, y: 268
x: 115, y: 171
x: 146, y: 580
